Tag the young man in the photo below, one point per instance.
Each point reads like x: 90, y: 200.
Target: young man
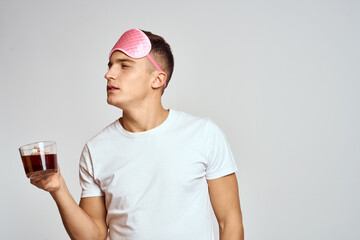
x: 153, y: 174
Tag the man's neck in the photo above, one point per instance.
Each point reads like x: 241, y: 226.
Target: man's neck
x: 143, y: 119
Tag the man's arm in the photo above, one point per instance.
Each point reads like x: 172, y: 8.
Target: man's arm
x: 95, y: 208
x: 87, y: 221
x: 224, y: 196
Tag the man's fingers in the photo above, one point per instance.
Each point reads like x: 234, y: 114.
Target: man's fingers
x: 48, y: 183
x: 35, y: 181
x: 40, y: 182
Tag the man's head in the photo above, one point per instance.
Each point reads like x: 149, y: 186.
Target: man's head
x: 143, y: 57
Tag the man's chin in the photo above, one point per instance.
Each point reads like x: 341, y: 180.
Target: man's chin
x: 113, y: 103
x: 110, y: 102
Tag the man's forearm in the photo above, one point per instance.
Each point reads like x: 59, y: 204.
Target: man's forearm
x: 231, y: 231
x: 76, y: 222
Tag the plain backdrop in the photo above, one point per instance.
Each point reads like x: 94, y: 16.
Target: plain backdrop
x: 281, y: 79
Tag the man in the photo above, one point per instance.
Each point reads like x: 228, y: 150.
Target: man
x: 153, y: 174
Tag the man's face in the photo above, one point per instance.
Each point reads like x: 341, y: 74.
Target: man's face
x: 129, y: 80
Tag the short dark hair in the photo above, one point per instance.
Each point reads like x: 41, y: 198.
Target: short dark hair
x: 161, y: 52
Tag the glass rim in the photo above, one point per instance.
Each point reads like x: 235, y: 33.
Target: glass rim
x: 47, y: 143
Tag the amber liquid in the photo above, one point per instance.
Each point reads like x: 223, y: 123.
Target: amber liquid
x: 39, y: 165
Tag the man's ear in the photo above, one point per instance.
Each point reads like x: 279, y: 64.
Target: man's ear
x: 159, y: 80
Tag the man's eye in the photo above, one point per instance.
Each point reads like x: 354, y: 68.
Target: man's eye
x: 124, y: 66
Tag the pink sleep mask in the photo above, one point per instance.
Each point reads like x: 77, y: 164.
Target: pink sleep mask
x: 135, y: 44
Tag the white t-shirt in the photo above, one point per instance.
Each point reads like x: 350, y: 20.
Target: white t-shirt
x: 154, y: 182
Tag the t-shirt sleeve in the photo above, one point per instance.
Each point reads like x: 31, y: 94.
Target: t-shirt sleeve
x: 90, y: 187
x: 220, y: 158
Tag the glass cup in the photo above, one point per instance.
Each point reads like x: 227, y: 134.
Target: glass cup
x: 39, y: 159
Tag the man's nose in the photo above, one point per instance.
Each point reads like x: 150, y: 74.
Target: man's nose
x: 109, y: 75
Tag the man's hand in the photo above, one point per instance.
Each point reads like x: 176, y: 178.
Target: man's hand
x: 87, y: 221
x: 50, y: 183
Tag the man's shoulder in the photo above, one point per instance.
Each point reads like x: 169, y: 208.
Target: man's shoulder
x: 186, y: 117
x: 195, y: 121
x: 106, y: 133
x: 204, y: 122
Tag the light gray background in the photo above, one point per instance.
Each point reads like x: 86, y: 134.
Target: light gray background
x: 281, y: 78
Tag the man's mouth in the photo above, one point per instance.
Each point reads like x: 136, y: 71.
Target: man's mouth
x: 111, y: 88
